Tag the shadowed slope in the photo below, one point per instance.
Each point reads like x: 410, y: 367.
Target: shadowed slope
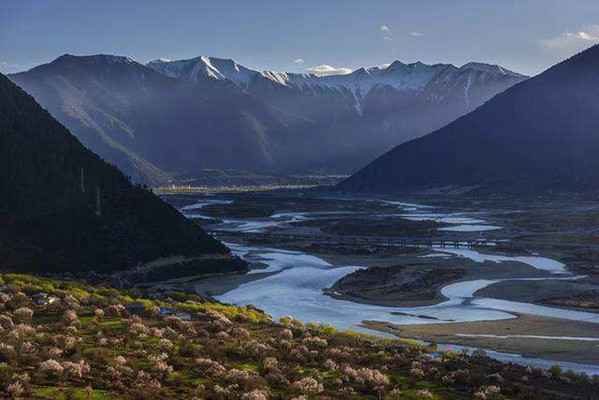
x: 48, y: 223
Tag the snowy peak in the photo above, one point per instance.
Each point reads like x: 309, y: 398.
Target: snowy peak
x: 394, y: 66
x: 360, y: 72
x: 490, y: 68
x: 210, y: 67
x: 398, y: 75
x: 414, y: 78
x: 282, y: 78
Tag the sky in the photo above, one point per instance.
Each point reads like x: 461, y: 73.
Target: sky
x: 320, y: 36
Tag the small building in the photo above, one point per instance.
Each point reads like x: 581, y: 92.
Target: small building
x: 135, y: 308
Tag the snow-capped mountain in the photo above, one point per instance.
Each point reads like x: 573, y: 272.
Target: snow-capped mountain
x: 539, y: 136
x: 399, y: 76
x: 496, y: 69
x: 205, y: 67
x: 166, y: 119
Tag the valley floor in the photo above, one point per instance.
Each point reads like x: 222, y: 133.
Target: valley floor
x: 537, y: 272
x: 529, y: 335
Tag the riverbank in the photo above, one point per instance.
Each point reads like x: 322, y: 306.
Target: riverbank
x: 375, y: 290
x: 218, y: 285
x: 412, y: 285
x: 298, y: 273
x: 566, y: 295
x: 422, y: 260
x: 528, y: 335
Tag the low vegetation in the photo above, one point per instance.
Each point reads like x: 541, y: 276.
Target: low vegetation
x: 588, y: 300
x: 68, y: 340
x: 397, y: 282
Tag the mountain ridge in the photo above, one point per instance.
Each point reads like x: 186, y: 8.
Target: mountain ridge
x: 168, y: 120
x: 539, y: 135
x: 242, y: 76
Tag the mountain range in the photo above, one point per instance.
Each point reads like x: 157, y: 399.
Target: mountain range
x: 540, y: 135
x: 63, y: 209
x: 171, y: 120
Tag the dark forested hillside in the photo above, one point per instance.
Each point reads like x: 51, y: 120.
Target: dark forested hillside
x: 540, y: 135
x: 50, y: 219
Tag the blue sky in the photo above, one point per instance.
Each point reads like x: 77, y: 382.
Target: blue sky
x: 524, y: 35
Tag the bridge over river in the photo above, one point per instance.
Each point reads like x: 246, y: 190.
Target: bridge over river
x: 379, y: 241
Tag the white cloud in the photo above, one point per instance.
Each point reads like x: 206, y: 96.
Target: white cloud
x: 324, y: 69
x: 385, y: 28
x: 387, y: 39
x: 588, y: 35
x: 299, y: 61
x: 7, y: 67
x: 416, y: 34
